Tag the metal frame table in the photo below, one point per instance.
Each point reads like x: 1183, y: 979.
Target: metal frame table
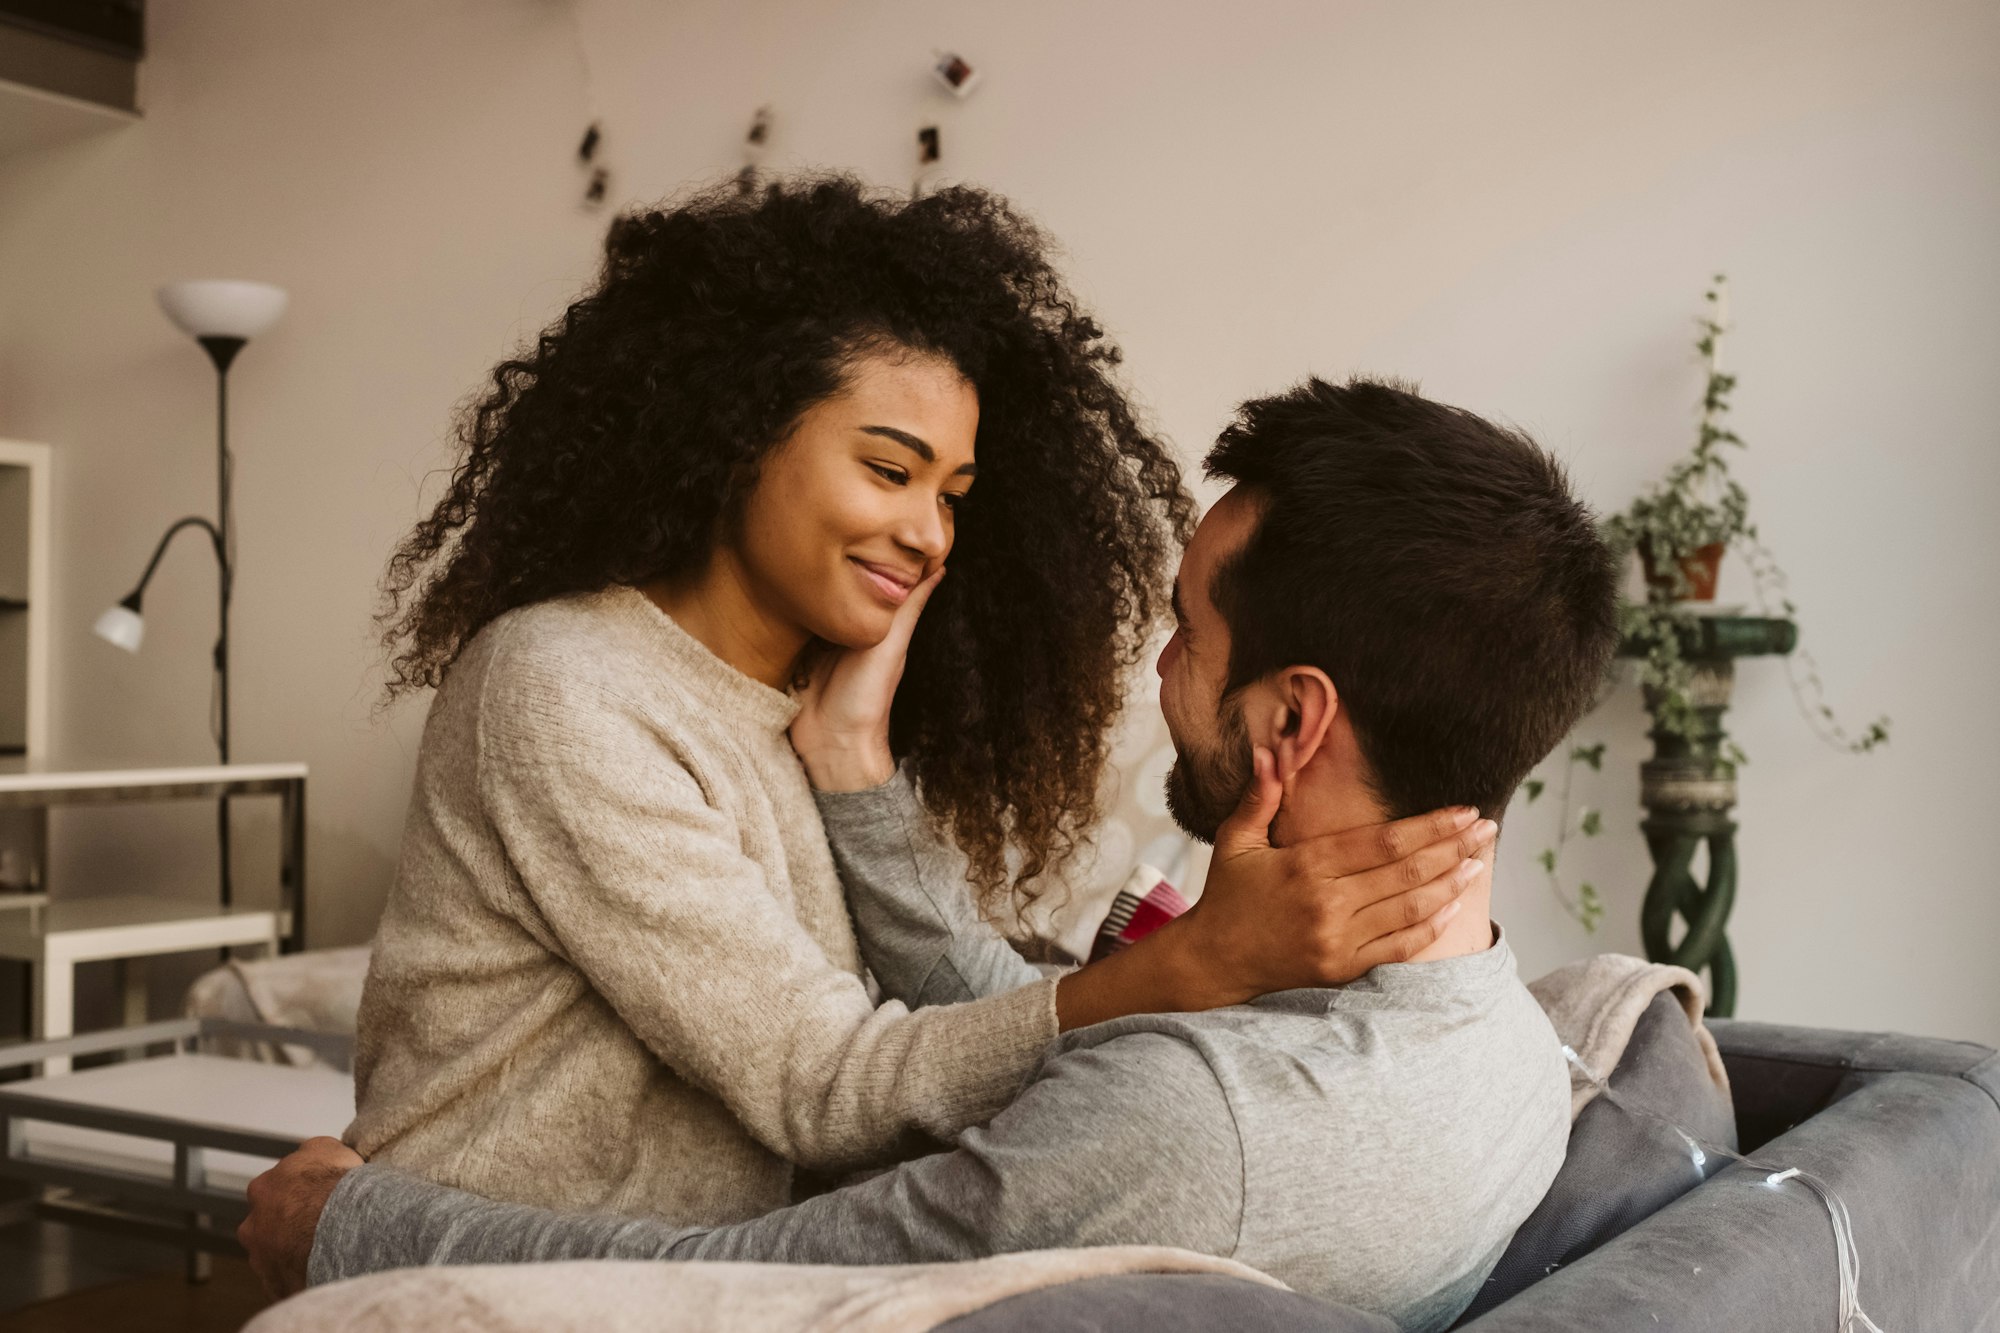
x: 162, y: 1145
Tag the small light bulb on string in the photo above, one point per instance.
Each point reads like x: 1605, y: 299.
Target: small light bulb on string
x: 955, y: 73
x: 929, y: 154
x: 597, y: 186
x: 957, y: 76
x: 586, y: 155
x: 755, y: 142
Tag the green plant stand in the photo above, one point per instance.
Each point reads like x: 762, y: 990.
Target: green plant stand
x: 1688, y: 799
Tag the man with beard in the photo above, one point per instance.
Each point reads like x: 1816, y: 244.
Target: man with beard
x: 1398, y: 607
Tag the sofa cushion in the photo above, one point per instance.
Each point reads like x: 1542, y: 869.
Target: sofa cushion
x: 1621, y: 1167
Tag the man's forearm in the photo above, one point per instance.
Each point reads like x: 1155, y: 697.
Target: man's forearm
x: 1075, y: 1160
x: 379, y: 1218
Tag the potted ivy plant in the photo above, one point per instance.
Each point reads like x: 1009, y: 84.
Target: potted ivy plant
x: 1680, y: 528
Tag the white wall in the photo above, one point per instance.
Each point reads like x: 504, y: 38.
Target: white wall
x: 1516, y: 204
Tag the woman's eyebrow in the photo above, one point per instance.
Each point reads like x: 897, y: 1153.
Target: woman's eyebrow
x: 914, y: 444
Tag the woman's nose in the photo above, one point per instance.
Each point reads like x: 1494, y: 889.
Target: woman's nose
x: 924, y: 531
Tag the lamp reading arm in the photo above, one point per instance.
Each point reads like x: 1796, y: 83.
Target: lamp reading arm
x: 194, y: 521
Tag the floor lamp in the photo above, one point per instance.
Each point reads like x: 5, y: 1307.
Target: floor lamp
x: 222, y: 316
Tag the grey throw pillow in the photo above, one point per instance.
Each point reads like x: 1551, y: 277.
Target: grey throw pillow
x: 1622, y: 1168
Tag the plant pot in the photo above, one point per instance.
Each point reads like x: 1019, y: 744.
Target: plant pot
x: 1699, y: 567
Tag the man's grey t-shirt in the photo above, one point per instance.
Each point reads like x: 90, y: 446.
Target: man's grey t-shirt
x: 1375, y: 1144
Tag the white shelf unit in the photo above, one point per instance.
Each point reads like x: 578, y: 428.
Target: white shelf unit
x: 53, y: 934
x: 24, y: 598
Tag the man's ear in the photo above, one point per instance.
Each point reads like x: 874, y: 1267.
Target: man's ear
x: 1300, y: 705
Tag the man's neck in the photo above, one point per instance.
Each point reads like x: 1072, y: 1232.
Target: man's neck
x: 1313, y: 809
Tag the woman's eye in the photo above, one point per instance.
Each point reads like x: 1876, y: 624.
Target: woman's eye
x: 954, y: 501
x: 890, y: 474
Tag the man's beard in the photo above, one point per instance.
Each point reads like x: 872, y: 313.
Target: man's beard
x: 1205, y: 786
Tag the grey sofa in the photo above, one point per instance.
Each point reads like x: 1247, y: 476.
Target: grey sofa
x: 1905, y: 1129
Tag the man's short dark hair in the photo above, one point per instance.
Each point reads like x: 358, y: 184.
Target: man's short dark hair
x: 1435, y: 566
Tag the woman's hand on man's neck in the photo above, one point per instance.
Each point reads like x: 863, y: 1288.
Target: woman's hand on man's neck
x: 1327, y: 796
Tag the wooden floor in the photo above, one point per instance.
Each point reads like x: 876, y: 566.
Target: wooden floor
x: 61, y: 1279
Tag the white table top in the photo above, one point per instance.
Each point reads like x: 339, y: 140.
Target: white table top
x: 201, y: 1089
x: 50, y: 775
x: 111, y: 911
x: 131, y: 926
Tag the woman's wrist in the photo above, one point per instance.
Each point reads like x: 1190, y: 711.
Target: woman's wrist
x: 844, y: 767
x: 1196, y: 968
x: 1167, y: 972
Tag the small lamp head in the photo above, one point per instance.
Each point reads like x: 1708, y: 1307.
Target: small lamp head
x: 122, y: 625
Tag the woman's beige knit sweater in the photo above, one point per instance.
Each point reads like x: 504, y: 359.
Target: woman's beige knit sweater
x: 616, y: 970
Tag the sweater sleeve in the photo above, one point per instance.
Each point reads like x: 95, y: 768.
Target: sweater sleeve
x: 914, y: 917
x: 1130, y: 1142
x: 636, y: 880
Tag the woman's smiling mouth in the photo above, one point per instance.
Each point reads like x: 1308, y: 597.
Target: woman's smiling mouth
x: 891, y: 584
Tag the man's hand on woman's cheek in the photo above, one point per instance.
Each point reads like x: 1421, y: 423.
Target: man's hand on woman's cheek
x: 285, y: 1204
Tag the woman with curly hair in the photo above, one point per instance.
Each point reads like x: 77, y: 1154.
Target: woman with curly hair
x: 693, y: 527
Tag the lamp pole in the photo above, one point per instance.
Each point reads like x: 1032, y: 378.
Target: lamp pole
x: 222, y: 315
x: 222, y: 351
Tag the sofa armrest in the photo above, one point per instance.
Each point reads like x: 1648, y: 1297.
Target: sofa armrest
x: 1906, y: 1132
x: 1781, y: 1075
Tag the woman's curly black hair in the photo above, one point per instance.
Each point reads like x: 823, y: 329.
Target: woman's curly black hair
x: 621, y: 447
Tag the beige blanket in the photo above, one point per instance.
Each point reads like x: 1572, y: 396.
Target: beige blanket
x: 1594, y: 1005
x: 607, y: 1296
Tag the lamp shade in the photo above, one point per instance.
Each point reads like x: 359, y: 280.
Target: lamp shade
x: 123, y: 626
x: 223, y: 307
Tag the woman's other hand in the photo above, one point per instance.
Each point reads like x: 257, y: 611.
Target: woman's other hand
x: 841, y: 733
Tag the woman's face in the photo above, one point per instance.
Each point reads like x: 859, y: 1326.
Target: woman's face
x: 855, y: 507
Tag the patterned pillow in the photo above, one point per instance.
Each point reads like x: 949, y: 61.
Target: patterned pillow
x: 1146, y: 903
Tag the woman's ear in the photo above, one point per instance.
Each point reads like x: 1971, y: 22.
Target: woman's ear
x: 1309, y: 701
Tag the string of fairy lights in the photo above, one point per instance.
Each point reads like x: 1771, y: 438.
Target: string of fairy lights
x: 1846, y: 1258
x: 953, y: 72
